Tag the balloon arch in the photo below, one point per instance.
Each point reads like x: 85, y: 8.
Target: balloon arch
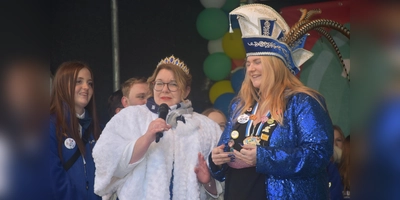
x: 224, y: 64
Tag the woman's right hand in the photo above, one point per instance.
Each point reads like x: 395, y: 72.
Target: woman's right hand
x: 157, y: 125
x: 220, y: 157
x: 143, y: 143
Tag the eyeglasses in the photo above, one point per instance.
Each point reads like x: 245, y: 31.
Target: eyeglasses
x: 159, y: 85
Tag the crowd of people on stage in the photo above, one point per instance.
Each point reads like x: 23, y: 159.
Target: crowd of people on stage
x: 278, y: 141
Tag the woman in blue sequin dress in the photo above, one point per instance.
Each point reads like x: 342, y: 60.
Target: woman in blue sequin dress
x: 279, y: 136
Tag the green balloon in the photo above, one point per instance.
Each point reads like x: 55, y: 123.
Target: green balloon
x: 230, y: 5
x: 217, y: 66
x: 212, y: 23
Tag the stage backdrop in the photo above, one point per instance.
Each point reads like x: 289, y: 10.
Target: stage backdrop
x: 324, y: 71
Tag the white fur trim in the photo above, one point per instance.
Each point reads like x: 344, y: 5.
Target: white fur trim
x: 150, y: 178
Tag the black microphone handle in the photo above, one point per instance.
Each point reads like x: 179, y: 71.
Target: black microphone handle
x: 162, y: 113
x: 158, y: 136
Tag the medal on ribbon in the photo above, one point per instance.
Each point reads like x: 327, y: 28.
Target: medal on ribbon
x: 252, y: 140
x: 264, y: 137
x: 235, y: 134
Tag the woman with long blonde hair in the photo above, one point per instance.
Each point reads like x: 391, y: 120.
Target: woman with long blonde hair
x: 280, y: 130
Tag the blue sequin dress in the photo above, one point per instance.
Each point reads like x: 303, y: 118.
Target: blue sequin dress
x: 295, y: 159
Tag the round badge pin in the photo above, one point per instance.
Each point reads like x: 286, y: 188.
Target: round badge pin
x: 243, y: 118
x: 70, y: 143
x: 235, y: 134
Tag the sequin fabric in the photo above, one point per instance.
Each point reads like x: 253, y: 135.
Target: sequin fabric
x: 296, y: 159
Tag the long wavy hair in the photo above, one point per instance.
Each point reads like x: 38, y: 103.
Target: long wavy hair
x: 62, y: 105
x: 277, y: 85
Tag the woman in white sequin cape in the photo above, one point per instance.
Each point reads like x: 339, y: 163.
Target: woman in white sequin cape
x: 150, y: 177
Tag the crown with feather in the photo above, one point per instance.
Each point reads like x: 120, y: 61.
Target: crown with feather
x: 174, y: 61
x: 265, y: 33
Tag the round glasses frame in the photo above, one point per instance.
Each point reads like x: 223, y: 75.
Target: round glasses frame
x: 159, y: 86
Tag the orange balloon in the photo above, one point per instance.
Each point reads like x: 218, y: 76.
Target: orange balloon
x: 237, y: 63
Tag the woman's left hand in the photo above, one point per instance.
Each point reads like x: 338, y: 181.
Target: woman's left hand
x: 248, y: 154
x: 201, y: 170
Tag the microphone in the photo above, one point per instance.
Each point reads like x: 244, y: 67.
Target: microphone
x: 162, y: 113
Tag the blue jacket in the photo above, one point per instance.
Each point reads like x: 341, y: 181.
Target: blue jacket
x: 76, y: 183
x: 336, y: 185
x: 296, y: 159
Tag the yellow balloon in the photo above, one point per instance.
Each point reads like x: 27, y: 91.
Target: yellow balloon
x: 233, y: 45
x: 219, y: 88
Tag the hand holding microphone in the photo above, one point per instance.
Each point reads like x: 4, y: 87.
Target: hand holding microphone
x: 162, y: 113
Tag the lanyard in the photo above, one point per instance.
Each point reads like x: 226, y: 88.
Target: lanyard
x: 250, y: 122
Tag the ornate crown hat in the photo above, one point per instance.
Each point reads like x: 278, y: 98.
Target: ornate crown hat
x: 265, y: 32
x: 174, y: 61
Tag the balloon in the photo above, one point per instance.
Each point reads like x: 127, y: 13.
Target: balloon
x: 237, y: 63
x: 212, y: 23
x: 237, y: 78
x: 223, y: 102
x: 230, y: 5
x: 215, y: 46
x: 220, y: 87
x: 217, y: 66
x: 233, y: 45
x: 212, y: 3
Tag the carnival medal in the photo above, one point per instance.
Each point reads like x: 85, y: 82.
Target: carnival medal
x: 264, y: 137
x: 234, y: 134
x: 252, y: 140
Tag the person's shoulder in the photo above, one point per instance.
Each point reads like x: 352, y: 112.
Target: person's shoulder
x: 202, y: 118
x: 302, y: 100
x: 198, y: 116
x: 304, y: 97
x: 129, y: 113
x: 299, y: 96
x: 205, y: 121
x: 133, y: 109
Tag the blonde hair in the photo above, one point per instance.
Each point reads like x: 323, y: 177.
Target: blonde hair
x: 126, y: 86
x: 277, y: 85
x: 182, y: 79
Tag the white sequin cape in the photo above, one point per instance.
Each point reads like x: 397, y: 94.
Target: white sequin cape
x: 150, y: 177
